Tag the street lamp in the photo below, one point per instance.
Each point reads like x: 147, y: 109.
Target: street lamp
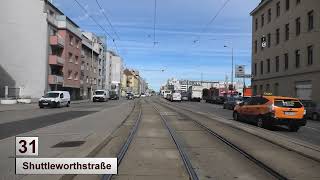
x: 231, y: 64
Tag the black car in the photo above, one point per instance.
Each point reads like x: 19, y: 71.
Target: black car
x: 231, y: 102
x: 114, y: 96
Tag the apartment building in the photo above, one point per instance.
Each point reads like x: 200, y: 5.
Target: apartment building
x: 286, y: 48
x: 71, y: 34
x: 114, y: 70
x: 93, y: 64
x: 45, y: 52
x: 133, y: 81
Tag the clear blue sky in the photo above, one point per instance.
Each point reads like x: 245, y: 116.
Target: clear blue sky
x: 185, y: 47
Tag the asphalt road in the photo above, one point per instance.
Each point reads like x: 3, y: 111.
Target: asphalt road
x: 19, y: 121
x: 309, y: 133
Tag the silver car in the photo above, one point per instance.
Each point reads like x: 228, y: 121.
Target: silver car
x: 312, y: 110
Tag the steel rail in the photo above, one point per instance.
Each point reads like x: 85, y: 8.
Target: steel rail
x: 183, y: 154
x: 126, y: 145
x: 235, y: 147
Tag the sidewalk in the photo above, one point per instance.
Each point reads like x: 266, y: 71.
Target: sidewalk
x: 92, y: 129
x: 34, y: 105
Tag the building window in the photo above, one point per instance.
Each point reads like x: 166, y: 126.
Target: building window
x: 255, y: 69
x: 297, y: 58
x: 269, y: 40
x: 278, y: 9
x: 269, y: 15
x: 310, y: 55
x: 99, y: 72
x: 77, y: 43
x: 276, y: 89
x: 277, y: 36
x: 287, y: 5
x: 261, y: 67
x: 268, y: 65
x: 310, y: 20
x: 87, y: 79
x: 286, y: 61
x: 70, y: 57
x: 256, y: 24
x: 277, y: 64
x: 262, y: 20
x: 255, y: 46
x: 261, y: 89
x: 298, y: 26
x: 287, y: 32
x: 87, y: 66
x: 71, y: 40
x: 69, y: 74
x: 76, y: 77
x: 76, y: 61
x: 267, y: 87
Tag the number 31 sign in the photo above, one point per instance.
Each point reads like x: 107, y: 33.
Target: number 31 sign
x: 27, y: 146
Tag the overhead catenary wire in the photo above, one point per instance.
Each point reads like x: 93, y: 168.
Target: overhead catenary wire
x: 212, y: 19
x: 99, y: 25
x: 107, y: 19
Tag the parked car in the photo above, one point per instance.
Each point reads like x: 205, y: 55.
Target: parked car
x: 184, y: 96
x: 267, y: 111
x: 136, y: 95
x: 113, y: 95
x: 130, y: 96
x: 143, y: 95
x: 231, y: 102
x: 312, y: 110
x: 100, y: 96
x: 168, y: 97
x: 55, y: 99
x: 176, y: 96
x: 165, y: 93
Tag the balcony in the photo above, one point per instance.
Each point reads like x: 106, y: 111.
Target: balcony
x: 83, y: 55
x: 52, y: 20
x: 56, y: 60
x: 57, y: 41
x: 65, y: 23
x: 55, y: 79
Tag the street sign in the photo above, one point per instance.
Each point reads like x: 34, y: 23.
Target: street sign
x: 246, y: 76
x: 264, y: 41
x: 240, y: 70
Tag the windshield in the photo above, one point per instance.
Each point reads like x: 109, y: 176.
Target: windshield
x: 52, y: 95
x: 288, y: 103
x: 99, y: 92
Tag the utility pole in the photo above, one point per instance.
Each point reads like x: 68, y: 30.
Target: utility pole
x: 231, y: 64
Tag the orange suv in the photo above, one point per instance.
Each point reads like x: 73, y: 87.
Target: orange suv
x: 267, y: 111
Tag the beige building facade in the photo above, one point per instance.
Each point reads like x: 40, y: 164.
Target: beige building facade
x: 286, y: 48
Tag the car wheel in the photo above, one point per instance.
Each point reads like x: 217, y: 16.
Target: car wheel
x: 224, y: 107
x: 293, y: 128
x: 236, y: 116
x: 41, y: 107
x: 58, y: 105
x: 68, y: 105
x: 315, y: 116
x: 260, y: 122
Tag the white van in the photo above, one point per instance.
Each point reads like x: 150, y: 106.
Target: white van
x: 55, y: 99
x: 100, y: 95
x: 166, y: 93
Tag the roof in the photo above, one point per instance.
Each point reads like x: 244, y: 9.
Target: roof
x: 54, y: 7
x: 261, y: 4
x: 279, y: 97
